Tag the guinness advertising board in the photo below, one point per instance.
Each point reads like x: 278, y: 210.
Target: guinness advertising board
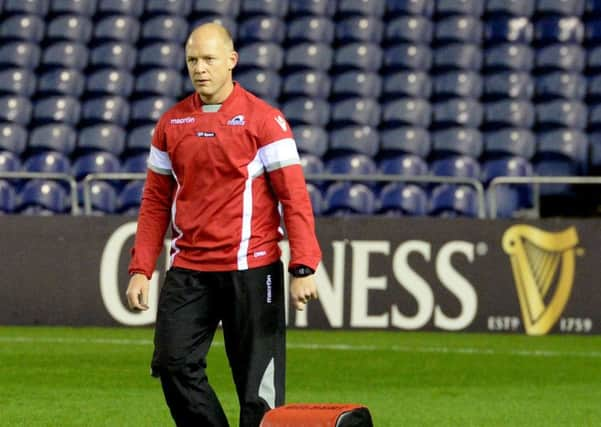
x: 536, y: 277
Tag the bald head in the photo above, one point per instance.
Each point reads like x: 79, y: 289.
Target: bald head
x: 211, y: 31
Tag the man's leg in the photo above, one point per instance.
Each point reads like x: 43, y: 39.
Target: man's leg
x: 254, y: 329
x: 186, y: 321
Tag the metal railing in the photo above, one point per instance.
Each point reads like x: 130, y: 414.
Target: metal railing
x: 113, y: 176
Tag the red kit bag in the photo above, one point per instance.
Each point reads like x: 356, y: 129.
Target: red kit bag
x: 318, y: 415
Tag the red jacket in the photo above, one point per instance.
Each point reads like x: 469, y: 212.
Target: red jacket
x: 218, y: 177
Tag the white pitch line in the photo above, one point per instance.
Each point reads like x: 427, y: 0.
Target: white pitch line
x: 315, y: 346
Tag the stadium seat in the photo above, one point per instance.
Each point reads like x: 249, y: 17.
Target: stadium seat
x: 345, y: 198
x: 149, y: 110
x: 311, y: 140
x: 314, y: 195
x: 462, y: 29
x: 510, y: 199
x: 76, y: 28
x: 261, y: 55
x: 307, y: 83
x: 412, y: 29
x: 563, y: 85
x: 408, y: 56
x: 512, y: 29
x: 508, y: 84
x: 570, y: 144
x: 303, y: 110
x: 453, y: 201
x: 509, y: 113
x: 398, y: 199
x: 463, y: 7
x: 43, y: 197
x: 415, y: 7
x: 406, y: 111
x: 356, y: 83
x: 54, y: 137
x: 229, y: 23
x: 76, y: 7
x: 264, y: 7
x: 457, y: 140
x: 9, y: 162
x: 457, y: 111
x: 48, y: 162
x: 8, y: 197
x: 96, y: 162
x: 102, y: 137
x: 316, y: 56
x: 29, y: 28
x: 171, y: 7
x: 556, y: 167
x: 103, y: 197
x: 414, y: 84
x: 262, y: 83
x: 509, y: 142
x: 261, y: 28
x: 311, y: 165
x: 360, y: 111
x: 130, y: 198
x: 165, y: 28
x: 505, y: 166
x: 157, y: 81
x: 560, y: 7
x: 509, y: 56
x: 592, y: 31
x: 361, y: 7
x: 354, y: 139
x: 405, y: 139
x: 403, y: 164
x: 110, y: 82
x: 136, y: 163
x: 61, y: 81
x: 17, y: 81
x: 13, y: 138
x: 568, y: 57
x: 364, y: 56
x: 317, y: 29
x: 359, y: 29
x: 114, y: 54
x: 114, y: 109
x: 117, y: 28
x: 16, y: 109
x: 456, y: 166
x: 594, y: 119
x: 139, y: 138
x: 562, y: 112
x: 510, y: 7
x: 161, y: 55
x: 39, y: 7
x: 66, y: 55
x: 19, y: 54
x: 314, y: 7
x: 120, y: 7
x: 593, y: 88
x: 458, y: 56
x: 351, y: 164
x: 216, y: 7
x: 65, y: 109
x: 463, y: 84
x: 559, y: 30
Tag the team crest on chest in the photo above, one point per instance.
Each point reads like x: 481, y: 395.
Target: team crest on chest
x: 237, y: 120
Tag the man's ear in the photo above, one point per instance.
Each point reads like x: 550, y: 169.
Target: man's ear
x: 233, y: 60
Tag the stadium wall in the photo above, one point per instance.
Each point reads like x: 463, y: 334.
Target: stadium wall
x: 534, y: 277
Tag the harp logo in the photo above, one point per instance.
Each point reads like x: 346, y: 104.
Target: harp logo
x: 543, y: 265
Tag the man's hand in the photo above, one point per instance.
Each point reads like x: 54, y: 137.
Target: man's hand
x: 137, y: 292
x: 302, y: 290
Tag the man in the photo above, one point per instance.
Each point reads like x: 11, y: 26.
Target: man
x: 219, y: 163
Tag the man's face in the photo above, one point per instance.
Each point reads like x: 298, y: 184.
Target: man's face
x: 210, y: 61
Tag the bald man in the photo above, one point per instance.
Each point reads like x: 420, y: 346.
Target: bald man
x: 222, y: 162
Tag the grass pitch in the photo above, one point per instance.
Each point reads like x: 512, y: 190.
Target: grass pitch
x: 100, y: 377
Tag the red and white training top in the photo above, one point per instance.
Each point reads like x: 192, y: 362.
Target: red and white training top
x: 218, y: 177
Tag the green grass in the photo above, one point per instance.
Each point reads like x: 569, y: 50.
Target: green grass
x: 100, y: 377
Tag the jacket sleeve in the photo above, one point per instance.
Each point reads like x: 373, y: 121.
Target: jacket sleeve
x: 154, y: 216
x: 279, y: 157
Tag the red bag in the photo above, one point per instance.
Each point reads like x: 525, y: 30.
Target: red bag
x: 318, y: 415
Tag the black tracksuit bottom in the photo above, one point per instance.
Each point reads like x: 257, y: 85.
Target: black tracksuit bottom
x: 250, y: 305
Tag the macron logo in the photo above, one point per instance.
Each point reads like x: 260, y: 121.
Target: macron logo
x: 237, y: 121
x: 280, y: 121
x: 182, y: 121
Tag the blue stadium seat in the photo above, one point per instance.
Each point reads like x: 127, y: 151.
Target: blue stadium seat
x: 505, y: 166
x: 415, y: 84
x: 48, y: 162
x: 408, y: 56
x: 262, y: 83
x: 166, y: 28
x: 508, y: 84
x: 77, y: 7
x: 314, y: 195
x: 561, y: 7
x: 568, y: 57
x: 303, y: 110
x: 556, y: 167
x: 216, y: 7
x: 102, y: 137
x: 570, y: 144
x: 16, y: 109
x: 261, y: 55
x: 264, y: 7
x: 509, y: 113
x: 149, y: 110
x: 9, y: 162
x: 114, y: 54
x: 110, y: 82
x: 39, y: 7
x: 563, y: 113
x: 510, y: 7
x: 453, y: 201
x: 120, y: 7
x: 356, y: 83
x: 171, y: 7
x: 29, y: 28
x: 70, y: 27
x: 317, y: 56
x: 361, y: 7
x: 261, y: 28
x: 61, y: 81
x: 43, y: 197
x: 19, y: 54
x: 398, y: 199
x: 117, y: 28
x: 136, y: 163
x: 130, y: 198
x: 463, y: 7
x: 311, y: 165
x: 510, y: 142
x: 103, y: 197
x: 311, y: 139
x: 66, y: 55
x: 456, y: 166
x: 314, y: 7
x: 559, y: 30
x: 345, y: 198
x: 360, y: 111
x: 413, y: 29
x: 403, y: 164
x: 17, y: 81
x: 462, y: 29
x: 13, y: 138
x: 457, y: 111
x: 365, y: 29
x: 138, y: 138
x: 114, y: 109
x: 365, y: 56
x: 406, y: 111
x: 8, y: 197
x: 157, y: 81
x: 457, y: 140
x: 593, y: 32
x: 161, y: 55
x: 509, y: 56
x: 510, y: 199
x: 351, y: 164
x: 54, y: 137
x: 65, y: 109
x: 592, y: 7
x: 594, y: 119
x: 96, y: 162
x: 354, y: 139
x: 458, y: 55
x: 562, y: 85
x: 512, y: 29
x: 415, y: 7
x: 593, y: 88
x: 307, y: 83
x: 405, y: 139
x: 227, y: 22
x: 317, y: 29
x: 467, y: 84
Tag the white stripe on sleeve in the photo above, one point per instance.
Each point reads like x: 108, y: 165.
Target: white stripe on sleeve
x: 159, y: 161
x: 279, y: 154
